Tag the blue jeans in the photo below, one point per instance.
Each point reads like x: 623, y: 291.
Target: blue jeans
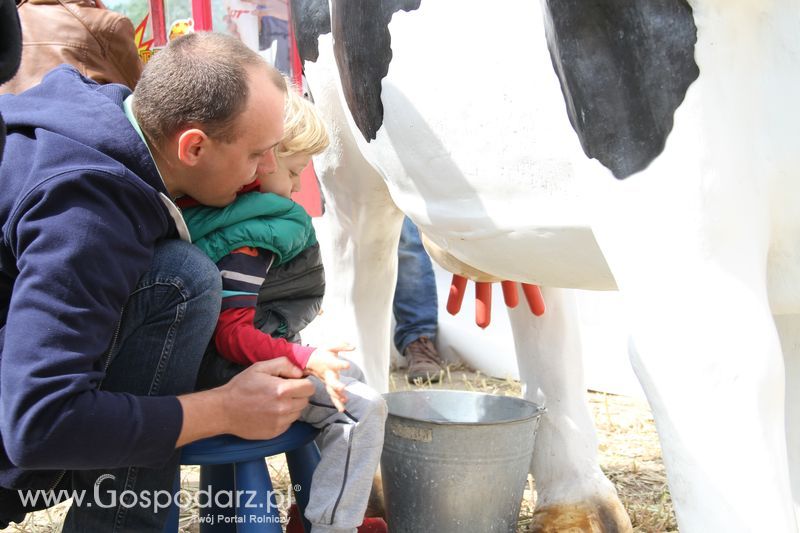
x: 415, y: 303
x: 164, y: 329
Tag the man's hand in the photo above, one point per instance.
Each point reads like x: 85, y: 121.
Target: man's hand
x: 264, y: 400
x: 325, y: 364
x: 259, y: 403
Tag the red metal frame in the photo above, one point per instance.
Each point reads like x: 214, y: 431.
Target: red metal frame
x: 310, y: 197
x: 157, y: 23
x: 201, y: 13
x: 294, y: 55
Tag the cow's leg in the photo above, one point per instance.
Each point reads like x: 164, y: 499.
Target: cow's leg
x: 708, y: 356
x: 789, y: 331
x: 573, y: 494
x: 361, y: 269
x: 360, y: 232
x: 713, y: 374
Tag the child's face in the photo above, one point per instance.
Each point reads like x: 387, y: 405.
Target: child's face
x: 286, y: 178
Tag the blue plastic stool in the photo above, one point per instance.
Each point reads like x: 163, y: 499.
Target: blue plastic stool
x: 232, y: 464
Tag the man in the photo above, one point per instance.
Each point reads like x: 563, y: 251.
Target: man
x: 105, y: 312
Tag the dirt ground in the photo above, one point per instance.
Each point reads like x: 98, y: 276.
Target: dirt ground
x: 629, y: 452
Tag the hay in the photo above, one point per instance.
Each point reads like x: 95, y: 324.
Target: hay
x: 629, y: 454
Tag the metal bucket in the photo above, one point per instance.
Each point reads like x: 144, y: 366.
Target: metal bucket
x: 456, y: 461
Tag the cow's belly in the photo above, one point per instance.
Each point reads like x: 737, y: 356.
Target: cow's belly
x: 494, y: 184
x: 493, y: 172
x: 513, y: 213
x: 566, y: 256
x: 508, y: 189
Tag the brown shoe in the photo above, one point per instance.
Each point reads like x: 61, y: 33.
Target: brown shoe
x: 423, y: 361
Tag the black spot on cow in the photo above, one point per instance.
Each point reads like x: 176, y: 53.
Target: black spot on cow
x: 311, y: 18
x: 624, y: 68
x: 362, y: 46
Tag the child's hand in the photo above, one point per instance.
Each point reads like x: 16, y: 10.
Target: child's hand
x: 325, y: 364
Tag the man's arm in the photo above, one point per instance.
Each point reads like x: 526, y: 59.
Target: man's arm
x: 80, y: 250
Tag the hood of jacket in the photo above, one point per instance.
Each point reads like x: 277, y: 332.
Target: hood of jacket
x: 74, y: 108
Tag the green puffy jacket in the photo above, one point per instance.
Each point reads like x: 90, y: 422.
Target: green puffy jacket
x: 259, y: 220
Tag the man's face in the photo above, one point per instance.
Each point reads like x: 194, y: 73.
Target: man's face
x: 285, y: 179
x: 227, y: 167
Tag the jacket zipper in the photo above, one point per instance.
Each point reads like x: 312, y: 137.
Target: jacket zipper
x: 113, y: 345
x: 106, y: 364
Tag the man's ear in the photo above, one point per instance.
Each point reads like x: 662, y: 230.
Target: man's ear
x: 191, y: 145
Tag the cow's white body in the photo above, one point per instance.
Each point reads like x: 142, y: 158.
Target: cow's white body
x: 476, y: 147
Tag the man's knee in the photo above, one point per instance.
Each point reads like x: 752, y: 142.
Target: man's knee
x: 187, y: 262
x: 187, y: 266
x: 180, y: 278
x: 167, y: 322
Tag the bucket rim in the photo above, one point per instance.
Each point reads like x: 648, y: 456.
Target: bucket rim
x: 538, y: 409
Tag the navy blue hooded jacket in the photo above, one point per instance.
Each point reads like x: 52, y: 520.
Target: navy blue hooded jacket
x: 80, y: 213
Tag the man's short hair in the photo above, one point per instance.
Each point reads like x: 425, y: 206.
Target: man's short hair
x: 199, y: 79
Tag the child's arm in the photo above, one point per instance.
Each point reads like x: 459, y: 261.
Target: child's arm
x: 238, y: 340
x: 236, y: 337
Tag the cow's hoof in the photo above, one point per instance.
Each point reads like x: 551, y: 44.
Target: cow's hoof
x: 599, y: 516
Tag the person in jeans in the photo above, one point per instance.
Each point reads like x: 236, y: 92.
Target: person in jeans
x: 415, y: 307
x: 105, y: 309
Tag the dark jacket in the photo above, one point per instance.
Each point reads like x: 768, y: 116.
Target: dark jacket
x: 288, y: 300
x: 81, y: 211
x: 291, y: 295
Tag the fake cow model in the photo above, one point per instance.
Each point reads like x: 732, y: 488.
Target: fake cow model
x: 649, y: 146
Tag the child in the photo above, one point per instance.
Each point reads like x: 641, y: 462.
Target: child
x: 273, y: 282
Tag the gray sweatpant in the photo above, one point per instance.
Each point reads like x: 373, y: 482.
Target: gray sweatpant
x: 350, y: 444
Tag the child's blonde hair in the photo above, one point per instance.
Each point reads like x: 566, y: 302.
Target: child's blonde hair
x: 303, y: 129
